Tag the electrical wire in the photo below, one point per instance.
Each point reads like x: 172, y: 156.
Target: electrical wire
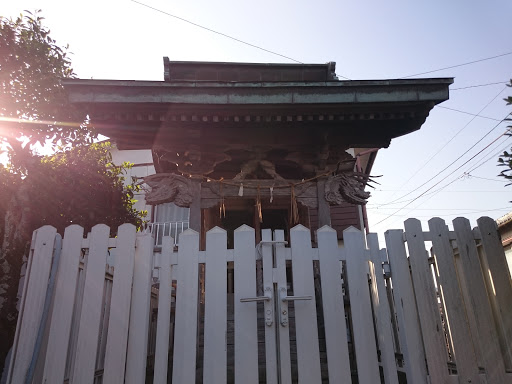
x: 443, y: 147
x: 485, y: 178
x: 493, y: 156
x: 455, y: 213
x: 469, y: 113
x: 458, y: 65
x: 455, y: 170
x: 222, y: 34
x: 476, y: 86
x: 432, y: 194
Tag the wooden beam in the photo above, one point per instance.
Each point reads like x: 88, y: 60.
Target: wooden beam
x: 324, y: 210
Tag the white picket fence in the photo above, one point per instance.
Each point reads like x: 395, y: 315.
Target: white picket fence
x: 433, y: 307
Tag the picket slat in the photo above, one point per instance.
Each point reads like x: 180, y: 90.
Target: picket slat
x: 411, y: 342
x: 334, y: 311
x: 21, y: 308
x: 164, y: 312
x: 117, y: 336
x: 270, y: 324
x: 184, y: 364
x: 215, y: 314
x: 474, y: 284
x: 306, y: 330
x: 485, y: 335
x: 362, y: 320
x: 426, y: 301
x: 34, y: 302
x: 382, y: 312
x: 499, y: 283
x: 65, y: 287
x: 465, y: 358
x: 246, y: 340
x: 90, y: 317
x: 139, y: 311
x: 285, y: 365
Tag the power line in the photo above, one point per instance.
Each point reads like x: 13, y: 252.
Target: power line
x: 443, y: 147
x: 457, y: 65
x: 432, y: 194
x: 455, y: 170
x: 444, y: 209
x: 476, y: 86
x: 493, y: 156
x: 485, y: 178
x: 221, y: 34
x: 455, y: 213
x: 469, y: 113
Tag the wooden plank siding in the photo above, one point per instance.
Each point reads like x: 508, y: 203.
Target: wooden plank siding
x: 342, y: 217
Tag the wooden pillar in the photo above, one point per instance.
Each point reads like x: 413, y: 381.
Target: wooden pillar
x: 195, y: 206
x: 324, y: 210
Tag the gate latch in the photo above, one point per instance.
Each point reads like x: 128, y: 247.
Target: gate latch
x: 268, y: 304
x: 283, y: 304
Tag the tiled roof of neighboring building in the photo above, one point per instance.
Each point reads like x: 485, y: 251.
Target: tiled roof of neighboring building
x: 504, y: 219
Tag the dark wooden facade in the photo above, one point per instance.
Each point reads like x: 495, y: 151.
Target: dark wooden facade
x: 295, y: 127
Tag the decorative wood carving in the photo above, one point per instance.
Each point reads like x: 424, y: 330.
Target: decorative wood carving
x: 346, y: 187
x: 190, y: 159
x: 252, y: 166
x: 167, y: 188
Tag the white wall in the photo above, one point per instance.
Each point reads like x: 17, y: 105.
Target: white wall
x: 142, y: 160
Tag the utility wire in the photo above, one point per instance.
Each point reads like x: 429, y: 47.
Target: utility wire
x: 221, y: 34
x: 485, y: 178
x: 443, y: 209
x: 432, y: 194
x: 469, y: 113
x: 443, y: 147
x: 444, y: 178
x: 457, y: 213
x: 214, y: 31
x: 457, y: 65
x: 476, y: 86
x: 493, y: 156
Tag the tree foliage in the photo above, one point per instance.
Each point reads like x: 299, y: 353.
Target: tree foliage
x: 505, y: 160
x: 81, y: 185
x: 33, y: 103
x: 77, y: 185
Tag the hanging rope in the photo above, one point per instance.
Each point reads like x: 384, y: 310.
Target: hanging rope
x: 222, y: 207
x: 258, y: 205
x: 294, y: 209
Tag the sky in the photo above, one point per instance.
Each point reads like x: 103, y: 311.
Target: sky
x: 122, y: 39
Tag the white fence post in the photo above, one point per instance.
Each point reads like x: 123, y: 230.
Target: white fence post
x: 119, y: 320
x: 136, y: 355
x: 184, y: 363
x: 382, y: 312
x: 65, y: 293
x: 467, y: 367
x: 360, y: 306
x: 485, y: 336
x: 284, y: 332
x: 246, y: 338
x: 164, y: 313
x: 306, y: 330
x: 334, y: 311
x: 426, y: 301
x: 498, y: 282
x: 270, y: 328
x: 32, y: 309
x: 411, y: 342
x: 215, y: 315
x: 87, y: 343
